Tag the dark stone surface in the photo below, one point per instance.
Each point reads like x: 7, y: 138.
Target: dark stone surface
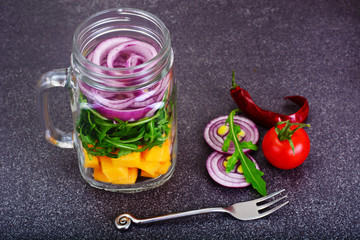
x: 277, y: 48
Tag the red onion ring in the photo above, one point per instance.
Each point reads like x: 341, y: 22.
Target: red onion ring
x: 123, y: 52
x: 90, y: 56
x: 127, y: 114
x: 142, y: 50
x: 217, y: 171
x: 216, y: 142
x: 86, y: 89
x: 154, y: 95
x: 156, y: 106
x: 134, y: 60
x: 103, y: 49
x: 114, y: 103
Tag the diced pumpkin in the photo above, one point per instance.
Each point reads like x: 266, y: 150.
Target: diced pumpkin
x: 162, y: 169
x: 158, y: 154
x: 124, y: 169
x: 103, y: 158
x: 91, y: 161
x: 146, y: 174
x: 149, y: 167
x: 131, y: 179
x: 111, y: 172
x: 128, y: 160
x: 99, y: 175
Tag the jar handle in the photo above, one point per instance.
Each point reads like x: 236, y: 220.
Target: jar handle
x: 53, y: 78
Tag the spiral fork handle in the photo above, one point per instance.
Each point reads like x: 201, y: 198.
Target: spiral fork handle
x: 123, y: 221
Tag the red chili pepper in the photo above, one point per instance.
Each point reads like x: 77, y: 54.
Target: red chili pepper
x: 264, y: 117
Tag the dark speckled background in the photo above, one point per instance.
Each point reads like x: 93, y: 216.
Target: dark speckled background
x: 277, y: 48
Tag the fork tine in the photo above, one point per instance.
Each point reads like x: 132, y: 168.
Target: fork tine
x: 272, y: 210
x: 269, y: 196
x: 263, y: 206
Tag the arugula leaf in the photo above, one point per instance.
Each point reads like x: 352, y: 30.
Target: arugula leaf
x: 113, y: 138
x: 251, y: 173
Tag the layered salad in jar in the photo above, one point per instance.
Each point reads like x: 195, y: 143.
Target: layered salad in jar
x: 126, y: 136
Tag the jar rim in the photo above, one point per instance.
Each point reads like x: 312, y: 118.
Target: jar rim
x: 135, y: 70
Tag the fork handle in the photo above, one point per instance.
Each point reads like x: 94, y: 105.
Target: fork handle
x: 123, y: 221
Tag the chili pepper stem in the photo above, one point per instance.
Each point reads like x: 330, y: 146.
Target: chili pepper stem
x: 286, y: 133
x: 233, y: 84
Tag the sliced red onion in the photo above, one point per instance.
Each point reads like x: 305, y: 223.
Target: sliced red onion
x: 127, y: 114
x: 146, y: 94
x: 103, y: 49
x: 124, y: 52
x: 134, y: 60
x: 216, y: 141
x: 132, y: 48
x: 143, y: 103
x: 117, y: 104
x: 109, y: 94
x: 155, y: 107
x: 154, y: 95
x: 86, y: 90
x: 90, y: 56
x: 161, y: 95
x: 216, y: 169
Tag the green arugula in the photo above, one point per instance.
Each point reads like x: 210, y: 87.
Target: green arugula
x: 251, y: 173
x: 113, y: 138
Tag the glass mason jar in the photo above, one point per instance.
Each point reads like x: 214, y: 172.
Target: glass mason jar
x: 123, y: 100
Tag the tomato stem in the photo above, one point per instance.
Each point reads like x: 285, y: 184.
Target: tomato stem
x: 286, y: 133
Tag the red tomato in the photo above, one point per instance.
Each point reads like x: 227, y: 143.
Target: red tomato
x: 280, y: 154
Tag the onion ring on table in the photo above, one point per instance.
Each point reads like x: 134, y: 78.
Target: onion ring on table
x: 216, y: 141
x: 216, y: 169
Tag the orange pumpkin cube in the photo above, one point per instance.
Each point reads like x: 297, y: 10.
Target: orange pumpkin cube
x: 131, y: 179
x: 158, y: 154
x: 128, y: 160
x: 161, y: 169
x: 149, y: 167
x: 90, y: 161
x: 112, y: 172
x: 146, y: 174
x: 99, y: 175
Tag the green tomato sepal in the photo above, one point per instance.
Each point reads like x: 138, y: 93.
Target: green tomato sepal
x: 286, y: 133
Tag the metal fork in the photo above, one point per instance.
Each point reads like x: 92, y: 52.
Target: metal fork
x: 243, y: 211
